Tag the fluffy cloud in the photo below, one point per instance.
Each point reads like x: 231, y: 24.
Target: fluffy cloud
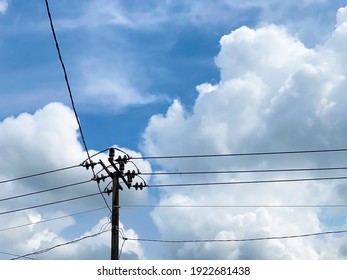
x: 47, y: 140
x: 274, y: 94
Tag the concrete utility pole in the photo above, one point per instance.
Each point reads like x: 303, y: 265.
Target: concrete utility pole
x: 127, y: 179
x: 115, y: 217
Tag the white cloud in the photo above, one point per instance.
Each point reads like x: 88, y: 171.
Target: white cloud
x: 47, y: 140
x: 274, y: 94
x: 153, y: 14
x: 341, y: 17
x: 112, y: 87
x: 3, y: 6
x: 118, y: 13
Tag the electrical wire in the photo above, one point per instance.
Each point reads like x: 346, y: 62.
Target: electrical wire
x: 49, y: 171
x: 121, y: 248
x: 65, y: 76
x: 236, y: 206
x: 239, y: 240
x: 98, y: 153
x: 46, y: 190
x: 247, y: 182
x: 52, y: 219
x: 14, y: 255
x: 245, y: 171
x: 70, y: 94
x: 48, y: 204
x: 39, y: 174
x: 241, y: 154
x: 60, y: 245
x: 105, y: 226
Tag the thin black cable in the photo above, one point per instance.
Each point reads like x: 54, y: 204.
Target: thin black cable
x: 245, y: 171
x: 240, y: 240
x: 59, y: 245
x: 236, y: 206
x: 247, y: 182
x: 48, y: 204
x: 52, y: 219
x: 65, y: 76
x: 121, y: 248
x: 15, y: 255
x: 71, y: 97
x: 242, y: 154
x: 98, y: 153
x: 46, y: 190
x: 39, y: 174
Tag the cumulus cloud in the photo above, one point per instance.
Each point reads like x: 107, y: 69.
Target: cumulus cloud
x: 47, y: 140
x: 274, y: 94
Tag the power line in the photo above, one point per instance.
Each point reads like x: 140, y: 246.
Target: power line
x: 52, y: 219
x: 39, y: 174
x: 48, y: 172
x: 121, y: 248
x: 245, y: 171
x: 14, y: 255
x: 65, y: 75
x: 46, y: 190
x: 239, y: 240
x: 60, y: 245
x: 242, y: 154
x: 48, y: 204
x: 248, y: 182
x: 236, y: 206
x: 70, y: 94
x: 197, y: 172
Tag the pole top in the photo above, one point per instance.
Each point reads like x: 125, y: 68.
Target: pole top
x: 111, y: 153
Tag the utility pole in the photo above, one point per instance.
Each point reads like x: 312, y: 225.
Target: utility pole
x: 115, y: 217
x: 127, y: 179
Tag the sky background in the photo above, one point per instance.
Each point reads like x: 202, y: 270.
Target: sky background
x: 175, y: 77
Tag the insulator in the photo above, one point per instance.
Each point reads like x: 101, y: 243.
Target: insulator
x: 130, y: 180
x: 121, y: 167
x: 111, y: 153
x: 90, y: 164
x: 103, y: 177
x: 139, y: 186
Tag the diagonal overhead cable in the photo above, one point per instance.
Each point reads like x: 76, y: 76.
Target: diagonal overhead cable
x: 47, y: 204
x: 39, y: 174
x: 244, y: 171
x: 52, y: 219
x: 60, y: 245
x: 248, y: 182
x: 45, y: 190
x: 70, y: 94
x: 15, y: 255
x: 243, y: 154
x: 241, y: 239
x: 235, y: 206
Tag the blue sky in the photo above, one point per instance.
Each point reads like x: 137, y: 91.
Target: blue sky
x: 175, y: 77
